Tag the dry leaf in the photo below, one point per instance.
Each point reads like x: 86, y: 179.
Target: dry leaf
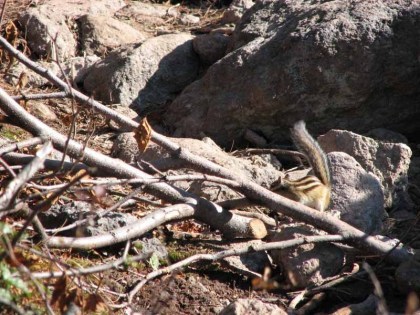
x: 11, y: 33
x: 142, y: 134
x: 22, y: 82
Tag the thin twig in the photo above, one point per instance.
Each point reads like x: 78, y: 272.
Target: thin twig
x: 41, y: 96
x: 7, y: 168
x: 89, y: 270
x: 20, y: 145
x: 3, y: 10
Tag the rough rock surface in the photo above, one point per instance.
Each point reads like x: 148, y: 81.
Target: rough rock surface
x: 49, y: 19
x: 59, y: 215
x: 250, y: 264
x: 101, y: 33
x: 75, y: 9
x: 235, y: 11
x: 388, y: 161
x: 150, y: 73
x: 251, y: 307
x: 41, y: 27
x: 210, y: 47
x: 309, y: 263
x: 357, y: 195
x: 347, y: 64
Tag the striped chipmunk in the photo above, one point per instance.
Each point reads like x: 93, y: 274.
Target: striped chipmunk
x: 312, y: 190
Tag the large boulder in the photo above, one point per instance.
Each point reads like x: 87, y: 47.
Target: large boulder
x: 347, y: 64
x: 49, y: 24
x: 148, y: 75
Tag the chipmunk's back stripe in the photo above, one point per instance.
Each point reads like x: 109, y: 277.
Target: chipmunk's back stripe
x: 306, y: 183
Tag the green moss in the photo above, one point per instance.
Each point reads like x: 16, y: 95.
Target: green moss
x: 176, y: 255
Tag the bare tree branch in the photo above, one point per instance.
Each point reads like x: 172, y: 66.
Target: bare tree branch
x: 133, y: 230
x: 49, y: 164
x: 206, y: 211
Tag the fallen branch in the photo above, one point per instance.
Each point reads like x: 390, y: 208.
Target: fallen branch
x: 133, y: 230
x: 229, y: 224
x: 49, y: 164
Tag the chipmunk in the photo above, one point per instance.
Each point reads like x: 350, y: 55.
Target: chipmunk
x: 312, y: 190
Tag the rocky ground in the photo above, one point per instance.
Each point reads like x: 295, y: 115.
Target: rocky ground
x: 149, y: 55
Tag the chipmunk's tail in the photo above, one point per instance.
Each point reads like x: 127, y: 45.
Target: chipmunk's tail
x: 310, y: 147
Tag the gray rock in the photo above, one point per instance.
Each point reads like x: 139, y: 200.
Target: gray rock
x: 388, y: 161
x: 142, y: 14
x: 210, y: 47
x: 356, y: 194
x: 60, y: 215
x: 78, y: 67
x: 151, y: 245
x: 235, y: 11
x: 41, y: 27
x: 250, y: 264
x: 146, y: 75
x: 308, y: 264
x: 251, y: 307
x: 321, y: 61
x: 101, y: 33
x: 49, y: 20
x: 145, y: 9
x: 189, y: 19
x: 34, y: 80
x: 74, y: 9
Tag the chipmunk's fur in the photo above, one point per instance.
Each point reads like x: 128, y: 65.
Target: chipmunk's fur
x: 312, y: 190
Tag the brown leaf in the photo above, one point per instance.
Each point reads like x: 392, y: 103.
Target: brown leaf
x: 142, y: 134
x: 11, y: 33
x: 22, y: 81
